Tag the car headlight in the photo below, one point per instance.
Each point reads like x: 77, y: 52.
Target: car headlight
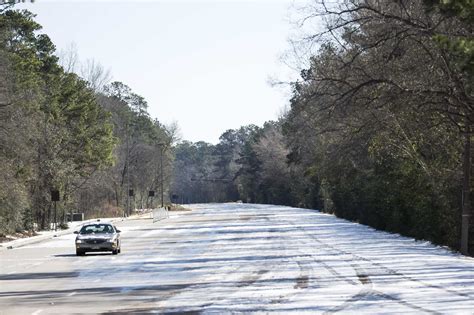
x: 78, y: 241
x: 112, y: 239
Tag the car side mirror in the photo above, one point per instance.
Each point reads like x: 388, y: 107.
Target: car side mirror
x: 118, y: 231
x: 76, y: 232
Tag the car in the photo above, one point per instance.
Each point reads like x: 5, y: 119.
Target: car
x: 98, y: 237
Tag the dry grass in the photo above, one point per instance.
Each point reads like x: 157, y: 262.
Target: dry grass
x: 175, y: 207
x: 15, y: 236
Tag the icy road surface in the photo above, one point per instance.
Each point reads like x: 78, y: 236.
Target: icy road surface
x: 233, y: 258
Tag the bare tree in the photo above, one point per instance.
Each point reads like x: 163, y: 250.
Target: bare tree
x: 97, y: 76
x: 90, y: 70
x: 174, y: 132
x: 69, y: 58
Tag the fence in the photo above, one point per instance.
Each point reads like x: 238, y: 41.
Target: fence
x: 160, y: 214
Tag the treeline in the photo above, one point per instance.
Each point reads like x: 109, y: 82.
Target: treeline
x: 60, y: 132
x: 249, y: 164
x: 379, y: 129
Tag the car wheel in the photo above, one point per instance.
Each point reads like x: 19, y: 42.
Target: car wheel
x: 79, y: 252
x: 115, y: 252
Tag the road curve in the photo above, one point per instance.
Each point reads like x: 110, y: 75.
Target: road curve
x: 233, y: 258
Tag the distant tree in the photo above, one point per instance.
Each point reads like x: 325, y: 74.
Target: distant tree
x: 275, y: 178
x: 193, y: 172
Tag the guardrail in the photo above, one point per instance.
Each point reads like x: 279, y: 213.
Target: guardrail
x: 160, y: 214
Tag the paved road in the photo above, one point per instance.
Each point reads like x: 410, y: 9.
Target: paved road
x: 225, y: 258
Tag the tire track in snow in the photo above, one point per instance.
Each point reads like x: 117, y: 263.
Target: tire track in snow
x: 367, y: 291
x: 247, y: 280
x: 362, y: 275
x: 364, y: 279
x: 302, y: 281
x: 255, y: 276
x: 389, y: 270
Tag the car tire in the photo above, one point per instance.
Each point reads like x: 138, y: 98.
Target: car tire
x: 79, y: 252
x: 115, y: 252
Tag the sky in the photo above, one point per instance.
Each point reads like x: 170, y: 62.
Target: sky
x: 205, y: 65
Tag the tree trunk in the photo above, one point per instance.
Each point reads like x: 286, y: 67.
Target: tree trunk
x: 466, y: 193
x: 117, y: 195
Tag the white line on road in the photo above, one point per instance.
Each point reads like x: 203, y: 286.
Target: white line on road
x: 72, y: 293
x: 37, y: 312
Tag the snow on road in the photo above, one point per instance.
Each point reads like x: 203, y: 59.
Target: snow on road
x: 226, y: 258
x: 271, y: 258
x: 256, y: 258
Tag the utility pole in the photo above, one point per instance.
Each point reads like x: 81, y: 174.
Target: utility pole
x: 161, y: 145
x: 161, y: 171
x: 466, y: 194
x: 127, y: 211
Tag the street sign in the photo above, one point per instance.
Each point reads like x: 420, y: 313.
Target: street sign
x: 54, y: 195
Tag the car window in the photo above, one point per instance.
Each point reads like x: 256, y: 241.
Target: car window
x: 97, y: 229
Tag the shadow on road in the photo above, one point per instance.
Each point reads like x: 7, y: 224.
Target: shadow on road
x: 39, y: 275
x: 87, y: 254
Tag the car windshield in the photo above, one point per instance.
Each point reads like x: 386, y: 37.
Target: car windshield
x: 97, y: 229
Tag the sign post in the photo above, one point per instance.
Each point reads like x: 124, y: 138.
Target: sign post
x: 55, y: 199
x: 131, y: 193
x: 151, y: 194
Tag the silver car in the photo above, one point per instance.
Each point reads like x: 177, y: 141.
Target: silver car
x: 97, y: 237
